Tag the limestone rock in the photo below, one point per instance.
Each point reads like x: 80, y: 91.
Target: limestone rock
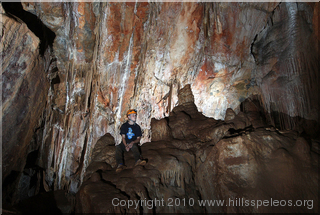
x: 242, y: 170
x: 97, y: 197
x: 255, y: 166
x: 277, y: 64
x: 24, y: 92
x: 185, y: 95
x: 182, y: 175
x: 241, y: 121
x: 160, y: 130
x: 167, y: 176
x: 255, y: 113
x: 94, y: 167
x: 104, y: 150
x: 179, y: 123
x: 111, y: 56
x: 302, y: 149
x: 214, y: 133
x: 238, y: 170
x: 230, y: 114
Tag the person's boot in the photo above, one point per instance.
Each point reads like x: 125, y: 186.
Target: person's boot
x: 140, y: 162
x: 120, y: 167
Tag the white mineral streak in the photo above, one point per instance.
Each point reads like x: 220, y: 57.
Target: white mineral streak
x: 100, y: 126
x: 166, y: 64
x: 123, y: 88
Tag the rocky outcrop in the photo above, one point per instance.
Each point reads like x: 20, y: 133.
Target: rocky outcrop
x: 239, y: 170
x: 262, y: 165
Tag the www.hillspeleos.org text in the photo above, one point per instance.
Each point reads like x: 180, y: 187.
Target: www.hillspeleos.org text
x: 238, y: 202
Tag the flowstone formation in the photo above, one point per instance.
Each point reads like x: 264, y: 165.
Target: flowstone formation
x: 195, y: 162
x: 71, y: 70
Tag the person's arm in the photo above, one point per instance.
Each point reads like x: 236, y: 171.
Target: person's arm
x: 135, y: 141
x: 124, y: 139
x: 125, y: 143
x: 138, y: 132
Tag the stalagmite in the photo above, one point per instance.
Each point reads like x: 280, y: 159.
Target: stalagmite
x: 222, y: 91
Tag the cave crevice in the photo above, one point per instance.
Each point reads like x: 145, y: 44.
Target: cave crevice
x: 46, y: 36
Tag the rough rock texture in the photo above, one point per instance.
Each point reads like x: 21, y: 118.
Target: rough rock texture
x: 288, y: 63
x: 160, y: 129
x: 259, y: 165
x: 24, y: 91
x: 110, y: 56
x: 245, y: 169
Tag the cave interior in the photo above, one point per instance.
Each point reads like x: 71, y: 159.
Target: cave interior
x: 227, y: 96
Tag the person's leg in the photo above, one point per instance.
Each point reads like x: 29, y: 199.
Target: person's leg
x: 119, y: 153
x: 136, y: 152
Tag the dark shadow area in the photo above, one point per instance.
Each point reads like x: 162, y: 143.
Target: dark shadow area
x: 252, y: 104
x: 305, y: 127
x: 8, y: 187
x: 32, y: 170
x: 259, y: 117
x: 55, y: 80
x: 44, y: 203
x: 236, y: 132
x: 31, y: 159
x: 46, y: 36
x: 24, y: 192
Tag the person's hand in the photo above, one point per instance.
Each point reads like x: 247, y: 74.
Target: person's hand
x: 129, y: 146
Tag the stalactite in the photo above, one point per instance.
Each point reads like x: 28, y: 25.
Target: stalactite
x: 145, y: 50
x: 291, y: 90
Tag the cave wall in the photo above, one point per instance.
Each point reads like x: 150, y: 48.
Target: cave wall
x: 108, y: 57
x: 287, y: 59
x: 24, y: 91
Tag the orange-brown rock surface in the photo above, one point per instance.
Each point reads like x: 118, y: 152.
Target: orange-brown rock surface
x: 70, y: 71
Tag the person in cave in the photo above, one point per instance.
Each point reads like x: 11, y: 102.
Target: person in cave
x: 131, y: 134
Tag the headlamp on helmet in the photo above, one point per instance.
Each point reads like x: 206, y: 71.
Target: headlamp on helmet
x: 131, y: 111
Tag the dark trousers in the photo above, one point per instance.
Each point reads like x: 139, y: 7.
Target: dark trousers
x: 121, y: 148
